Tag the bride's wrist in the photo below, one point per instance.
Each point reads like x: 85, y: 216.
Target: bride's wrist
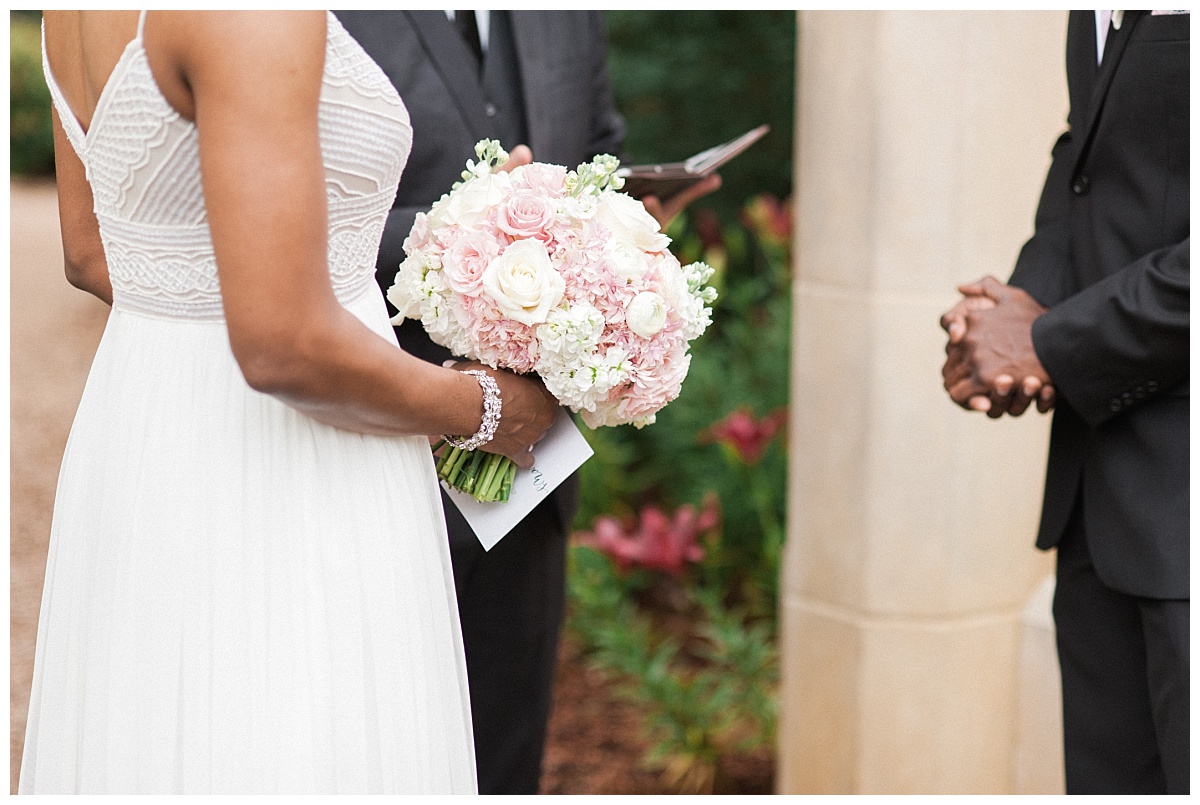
x: 490, y: 406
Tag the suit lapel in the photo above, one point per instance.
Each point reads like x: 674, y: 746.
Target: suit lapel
x: 1108, y: 68
x: 452, y: 59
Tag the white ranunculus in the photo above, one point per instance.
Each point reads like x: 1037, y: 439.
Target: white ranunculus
x: 646, y: 314
x: 468, y: 205
x: 523, y: 283
x: 626, y: 260
x: 628, y: 220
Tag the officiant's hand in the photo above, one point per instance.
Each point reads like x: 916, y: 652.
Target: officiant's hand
x: 527, y: 410
x: 990, y: 345
x: 520, y: 155
x: 666, y: 212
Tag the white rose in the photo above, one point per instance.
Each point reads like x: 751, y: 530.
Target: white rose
x: 468, y: 205
x: 628, y: 220
x: 646, y: 314
x: 523, y: 283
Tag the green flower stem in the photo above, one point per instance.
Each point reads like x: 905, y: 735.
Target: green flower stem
x: 457, y: 464
x: 490, y: 484
x: 488, y: 477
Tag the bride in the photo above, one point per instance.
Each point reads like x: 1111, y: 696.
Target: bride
x: 248, y: 587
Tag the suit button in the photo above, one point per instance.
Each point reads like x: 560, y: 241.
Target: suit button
x: 489, y: 109
x: 1114, y: 406
x: 1152, y: 386
x: 1139, y: 393
x: 1081, y: 185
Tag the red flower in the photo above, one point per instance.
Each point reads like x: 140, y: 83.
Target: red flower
x: 708, y: 229
x: 769, y: 219
x: 656, y: 542
x: 747, y: 436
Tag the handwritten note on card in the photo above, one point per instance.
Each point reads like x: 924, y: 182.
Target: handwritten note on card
x: 559, y: 454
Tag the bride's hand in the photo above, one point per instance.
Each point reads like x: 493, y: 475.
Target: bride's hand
x: 527, y: 411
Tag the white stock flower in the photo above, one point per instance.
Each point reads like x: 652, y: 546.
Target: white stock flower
x: 411, y: 287
x: 523, y: 283
x: 584, y: 384
x: 568, y: 335
x: 577, y: 208
x: 646, y: 314
x: 628, y: 220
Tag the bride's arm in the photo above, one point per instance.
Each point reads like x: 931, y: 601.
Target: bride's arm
x: 83, y: 251
x: 252, y: 81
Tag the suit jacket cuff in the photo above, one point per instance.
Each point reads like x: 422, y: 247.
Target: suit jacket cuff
x: 1122, y: 341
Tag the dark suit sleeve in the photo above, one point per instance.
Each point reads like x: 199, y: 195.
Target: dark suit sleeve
x: 1122, y: 340
x: 1043, y: 266
x: 607, y: 134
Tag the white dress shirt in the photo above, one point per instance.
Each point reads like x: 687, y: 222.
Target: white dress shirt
x: 1106, y: 21
x: 482, y: 19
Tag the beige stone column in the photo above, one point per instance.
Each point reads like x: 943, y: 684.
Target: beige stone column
x: 922, y: 142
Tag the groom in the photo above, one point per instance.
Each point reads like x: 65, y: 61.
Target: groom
x: 1098, y: 308
x: 521, y: 77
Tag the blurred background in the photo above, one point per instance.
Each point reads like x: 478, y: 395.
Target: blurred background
x: 813, y: 574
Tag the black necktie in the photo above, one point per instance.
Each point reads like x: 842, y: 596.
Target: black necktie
x: 464, y: 21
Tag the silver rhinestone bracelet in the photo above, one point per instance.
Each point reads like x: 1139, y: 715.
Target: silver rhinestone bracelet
x: 491, y: 414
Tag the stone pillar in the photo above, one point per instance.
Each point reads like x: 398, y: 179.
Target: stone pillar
x: 922, y: 142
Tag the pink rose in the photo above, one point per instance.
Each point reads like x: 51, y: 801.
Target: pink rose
x: 418, y: 236
x: 526, y: 214
x: 465, y: 259
x: 540, y: 179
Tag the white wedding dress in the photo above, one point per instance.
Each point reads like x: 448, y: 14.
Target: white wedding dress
x: 238, y: 598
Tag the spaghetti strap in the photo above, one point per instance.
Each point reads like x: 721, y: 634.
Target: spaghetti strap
x: 70, y: 123
x: 141, y: 22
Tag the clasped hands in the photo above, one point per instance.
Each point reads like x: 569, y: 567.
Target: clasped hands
x: 990, y: 347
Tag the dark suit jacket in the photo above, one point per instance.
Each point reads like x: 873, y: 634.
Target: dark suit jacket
x: 570, y: 117
x: 1111, y: 258
x: 570, y: 112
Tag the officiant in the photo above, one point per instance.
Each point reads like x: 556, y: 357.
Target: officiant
x: 537, y: 78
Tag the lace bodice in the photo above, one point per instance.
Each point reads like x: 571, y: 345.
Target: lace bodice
x: 143, y: 166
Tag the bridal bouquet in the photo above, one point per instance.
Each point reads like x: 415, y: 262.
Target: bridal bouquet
x: 546, y: 270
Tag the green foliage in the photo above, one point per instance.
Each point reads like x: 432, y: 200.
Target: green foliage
x: 31, y: 139
x: 742, y: 360
x: 687, y: 80
x: 698, y: 653
x: 705, y: 693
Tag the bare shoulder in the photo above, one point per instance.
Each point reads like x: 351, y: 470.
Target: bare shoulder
x: 196, y: 51
x: 83, y: 48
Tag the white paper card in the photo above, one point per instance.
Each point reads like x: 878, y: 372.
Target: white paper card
x: 562, y: 451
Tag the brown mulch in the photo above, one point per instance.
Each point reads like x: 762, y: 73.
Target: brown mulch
x: 596, y: 744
